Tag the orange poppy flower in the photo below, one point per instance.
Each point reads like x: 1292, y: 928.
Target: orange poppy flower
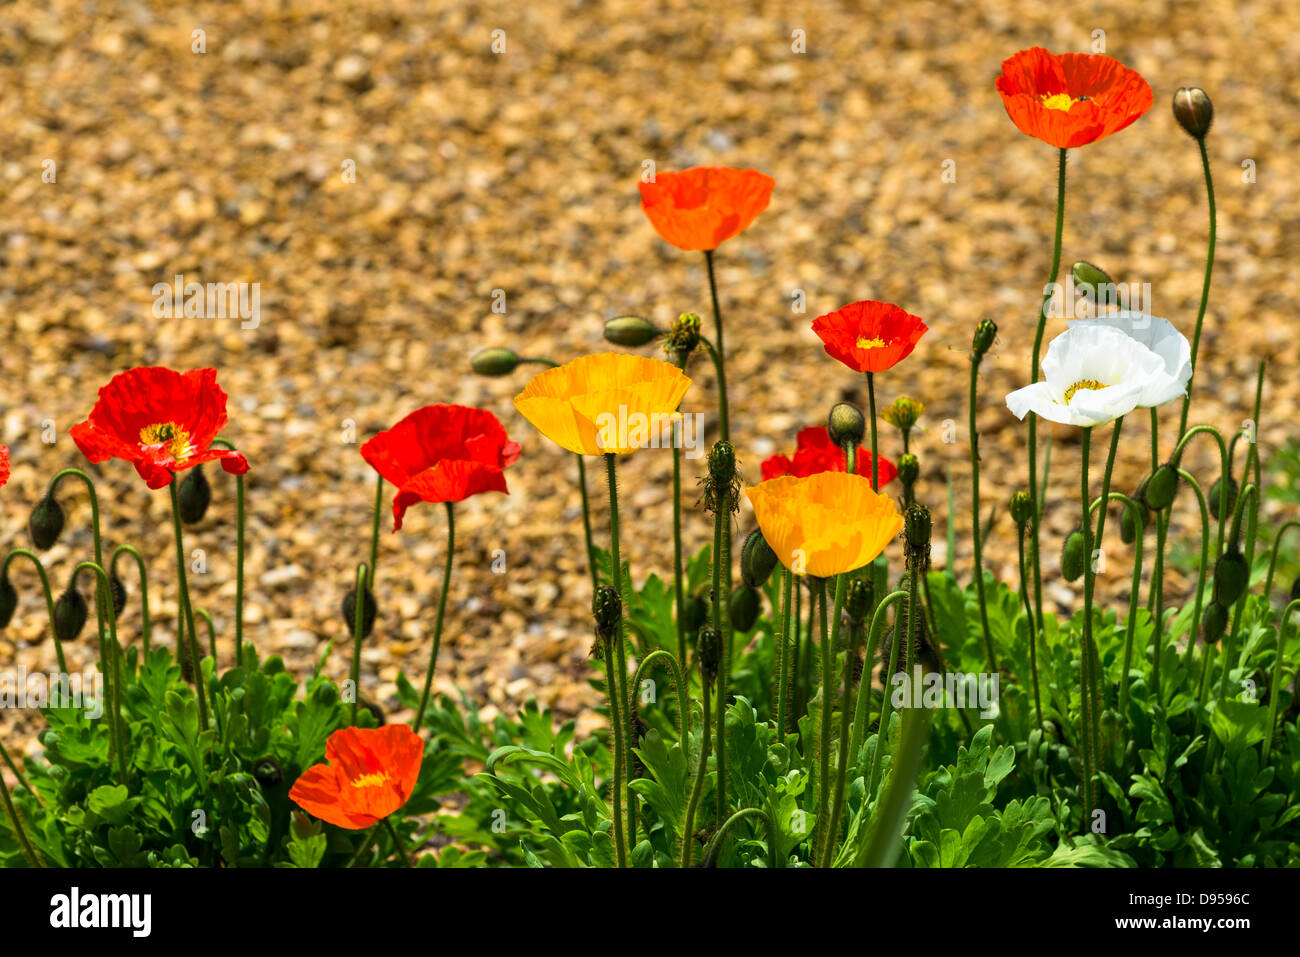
x: 704, y: 206
x: 369, y: 774
x: 1073, y: 99
x: 869, y: 336
x: 824, y: 524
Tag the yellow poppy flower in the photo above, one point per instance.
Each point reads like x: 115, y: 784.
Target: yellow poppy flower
x: 824, y: 524
x: 611, y: 402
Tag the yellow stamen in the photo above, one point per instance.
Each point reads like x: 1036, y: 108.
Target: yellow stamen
x: 371, y: 780
x: 1058, y: 101
x: 1091, y: 384
x: 169, y: 435
x: 876, y: 343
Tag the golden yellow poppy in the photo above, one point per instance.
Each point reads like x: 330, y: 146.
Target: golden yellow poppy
x: 611, y: 402
x: 824, y: 524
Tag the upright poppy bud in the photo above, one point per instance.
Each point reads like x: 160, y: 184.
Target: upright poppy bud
x: 194, y: 495
x: 903, y: 414
x: 70, y: 613
x: 369, y: 609
x: 985, y: 332
x: 846, y: 424
x: 708, y: 649
x: 916, y: 528
x: 744, y: 608
x: 497, y: 361
x: 721, y: 484
x: 607, y: 609
x: 1230, y: 577
x: 1217, y: 489
x: 1193, y: 111
x: 757, y: 560
x: 909, y: 468
x: 1075, y: 554
x: 630, y: 331
x: 8, y: 600
x: 1160, y: 487
x: 682, y: 339
x: 46, y: 523
x: 1022, y: 508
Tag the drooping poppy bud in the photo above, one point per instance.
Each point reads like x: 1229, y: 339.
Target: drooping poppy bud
x: 194, y: 496
x: 117, y: 589
x: 1022, y: 508
x: 497, y: 361
x: 1074, y: 555
x: 607, y: 608
x: 1214, y: 622
x: 744, y: 608
x: 757, y: 560
x: 696, y: 614
x: 1193, y: 111
x: 46, y: 523
x: 846, y: 424
x: 708, y: 649
x: 268, y: 773
x: 369, y: 609
x: 1160, y: 487
x: 1217, y: 489
x: 985, y: 332
x: 8, y: 600
x: 1128, y: 526
x: 630, y: 331
x: 1231, y: 575
x: 70, y: 613
x: 859, y: 599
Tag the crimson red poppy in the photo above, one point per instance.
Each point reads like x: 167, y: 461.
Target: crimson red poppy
x: 1073, y: 99
x: 159, y: 420
x: 369, y: 773
x: 815, y: 453
x: 869, y: 336
x: 4, y: 465
x: 704, y: 206
x: 442, y: 453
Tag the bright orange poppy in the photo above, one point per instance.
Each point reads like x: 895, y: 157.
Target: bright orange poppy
x: 1073, y: 99
x: 825, y: 524
x: 869, y: 336
x: 704, y: 206
x: 610, y: 402
x: 369, y: 774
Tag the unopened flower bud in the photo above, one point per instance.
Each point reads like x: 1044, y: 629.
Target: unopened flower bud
x: 117, y: 590
x: 1214, y: 622
x: 909, y: 468
x: 696, y: 614
x: 985, y: 332
x: 722, y: 463
x: 1022, y: 508
x: 194, y: 495
x: 630, y: 331
x: 708, y: 649
x: 607, y: 608
x: 1160, y: 487
x: 1193, y: 111
x: 858, y: 601
x: 1230, y: 577
x: 744, y: 608
x: 268, y: 773
x: 46, y: 523
x: 497, y: 361
x: 70, y: 613
x: 1089, y: 278
x: 1075, y: 554
x: 8, y: 600
x: 757, y: 560
x: 682, y: 339
x: 1217, y: 489
x: 846, y: 424
x: 369, y: 608
x: 1128, y: 528
x: 916, y: 526
x: 903, y: 413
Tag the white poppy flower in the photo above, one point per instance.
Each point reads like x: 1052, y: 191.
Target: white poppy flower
x: 1092, y: 374
x: 1160, y: 336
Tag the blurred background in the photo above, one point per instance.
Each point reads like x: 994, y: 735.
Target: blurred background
x: 380, y: 169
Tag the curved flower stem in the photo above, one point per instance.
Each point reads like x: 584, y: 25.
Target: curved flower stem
x: 871, y: 412
x: 1205, y: 284
x: 239, y: 555
x: 187, y: 610
x: 1033, y: 377
x: 783, y: 655
x: 437, y: 626
x: 49, y: 598
x: 679, y: 586
x: 144, y: 588
x: 358, y: 626
x: 18, y: 774
x: 864, y: 686
x: 620, y: 652
x: 697, y: 789
x: 364, y: 847
x: 1157, y: 603
x: 977, y: 536
x: 1272, y: 558
x: 1275, y: 682
x: 720, y: 356
x: 887, y: 702
x: 824, y: 823
x: 374, y: 534
x: 1033, y: 628
x: 113, y: 695
x: 29, y: 852
x: 397, y: 842
x: 1225, y: 468
x: 1201, y: 570
x: 1130, y: 630
x: 683, y: 702
x: 1251, y: 492
x: 212, y: 630
x: 716, y: 844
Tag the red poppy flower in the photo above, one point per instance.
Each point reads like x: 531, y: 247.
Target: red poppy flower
x: 159, y: 420
x: 369, y: 773
x: 704, y: 206
x: 4, y: 465
x: 815, y: 453
x: 869, y: 336
x: 441, y: 453
x: 1073, y: 99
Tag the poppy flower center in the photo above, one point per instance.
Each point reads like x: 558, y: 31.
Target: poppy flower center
x: 876, y: 343
x: 1058, y: 101
x: 378, y: 779
x: 1091, y: 384
x: 171, y: 437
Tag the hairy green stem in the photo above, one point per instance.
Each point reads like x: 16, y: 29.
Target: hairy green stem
x: 437, y: 627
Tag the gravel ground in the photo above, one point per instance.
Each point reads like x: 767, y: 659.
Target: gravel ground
x: 478, y: 171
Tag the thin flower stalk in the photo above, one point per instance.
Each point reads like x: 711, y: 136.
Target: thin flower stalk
x: 437, y: 626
